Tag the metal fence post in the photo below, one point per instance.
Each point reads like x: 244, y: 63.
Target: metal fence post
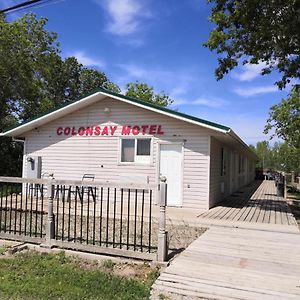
x: 162, y: 251
x: 50, y: 233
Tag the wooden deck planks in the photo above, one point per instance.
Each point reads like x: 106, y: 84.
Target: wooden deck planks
x: 251, y: 251
x: 257, y: 204
x: 231, y: 263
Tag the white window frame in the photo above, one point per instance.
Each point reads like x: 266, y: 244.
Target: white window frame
x: 138, y: 159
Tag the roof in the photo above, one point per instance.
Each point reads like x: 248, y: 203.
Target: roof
x: 131, y: 99
x: 101, y: 93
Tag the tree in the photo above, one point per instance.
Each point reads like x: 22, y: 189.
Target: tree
x: 286, y: 158
x: 264, y: 153
x: 24, y: 50
x: 68, y: 80
x: 34, y: 78
x: 33, y: 75
x: 146, y: 93
x: 285, y: 119
x: 257, y: 31
x: 279, y: 157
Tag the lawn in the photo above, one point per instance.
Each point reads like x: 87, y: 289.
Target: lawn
x: 34, y: 275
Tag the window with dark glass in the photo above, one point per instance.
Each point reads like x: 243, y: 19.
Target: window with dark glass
x: 143, y: 147
x: 223, y: 166
x: 127, y: 151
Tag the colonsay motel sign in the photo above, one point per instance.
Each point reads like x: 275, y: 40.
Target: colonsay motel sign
x: 110, y: 130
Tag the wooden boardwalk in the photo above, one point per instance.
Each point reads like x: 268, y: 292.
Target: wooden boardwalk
x: 231, y: 263
x: 250, y: 251
x: 255, y: 207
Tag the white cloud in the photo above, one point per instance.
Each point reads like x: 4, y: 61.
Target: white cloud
x: 249, y: 71
x: 202, y: 101
x: 156, y: 76
x: 87, y: 61
x: 210, y: 102
x: 125, y: 15
x: 252, y: 91
x: 177, y: 91
x: 134, y: 71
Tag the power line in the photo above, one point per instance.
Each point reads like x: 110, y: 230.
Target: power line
x: 27, y: 4
x: 21, y: 5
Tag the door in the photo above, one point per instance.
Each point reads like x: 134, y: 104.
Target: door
x: 171, y: 168
x: 232, y: 172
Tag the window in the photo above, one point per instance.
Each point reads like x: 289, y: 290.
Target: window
x: 127, y: 152
x: 136, y: 150
x: 143, y: 147
x: 223, y: 162
x: 241, y: 164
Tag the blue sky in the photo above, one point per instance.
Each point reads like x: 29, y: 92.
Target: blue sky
x: 160, y: 43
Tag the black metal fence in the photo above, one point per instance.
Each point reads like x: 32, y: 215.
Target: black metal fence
x: 105, y: 216
x: 117, y: 216
x: 22, y: 209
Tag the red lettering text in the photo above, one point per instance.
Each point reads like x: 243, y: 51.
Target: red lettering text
x: 97, y: 130
x: 159, y: 131
x: 81, y: 130
x: 59, y: 131
x: 113, y: 129
x: 152, y: 129
x: 67, y: 131
x: 135, y: 130
x: 144, y: 127
x: 89, y: 130
x: 126, y: 130
x: 74, y: 132
x: 105, y: 131
x: 110, y: 130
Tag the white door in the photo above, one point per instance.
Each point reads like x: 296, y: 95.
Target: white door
x: 171, y: 168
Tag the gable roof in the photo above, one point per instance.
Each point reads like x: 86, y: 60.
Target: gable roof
x: 86, y: 100
x: 102, y: 93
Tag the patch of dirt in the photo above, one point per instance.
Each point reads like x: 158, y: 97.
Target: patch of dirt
x: 141, y: 271
x: 181, y: 235
x: 294, y: 204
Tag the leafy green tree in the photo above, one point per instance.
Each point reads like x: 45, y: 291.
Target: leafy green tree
x: 264, y: 153
x: 257, y: 31
x: 279, y: 157
x: 34, y: 78
x: 33, y: 75
x: 146, y: 93
x: 285, y: 119
x: 25, y: 47
x: 286, y: 158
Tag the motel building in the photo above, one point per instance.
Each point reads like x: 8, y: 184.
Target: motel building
x: 109, y: 137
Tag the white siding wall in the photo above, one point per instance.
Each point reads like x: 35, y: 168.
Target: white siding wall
x: 71, y: 157
x: 232, y: 179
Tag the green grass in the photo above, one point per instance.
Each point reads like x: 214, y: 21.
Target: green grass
x: 47, y: 276
x: 7, y: 190
x: 108, y: 264
x: 3, y: 249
